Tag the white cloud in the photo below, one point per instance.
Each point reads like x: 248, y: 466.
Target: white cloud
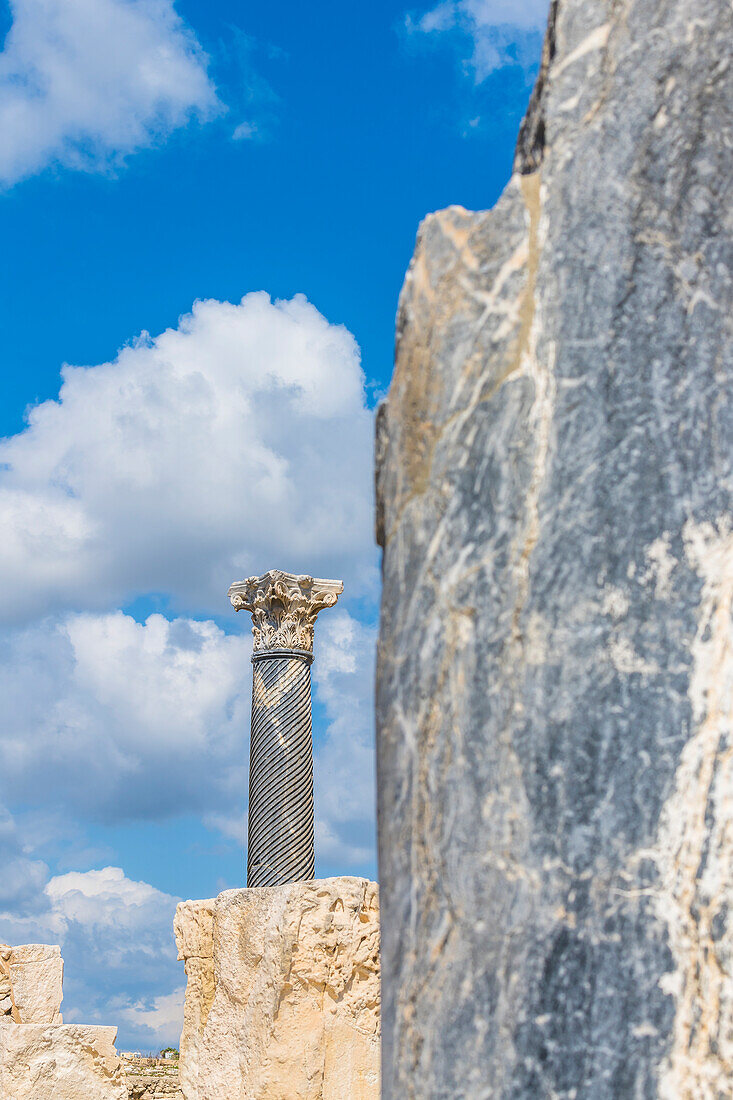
x: 161, y: 1017
x: 344, y: 765
x: 23, y: 878
x: 246, y: 131
x: 104, y: 899
x: 116, y: 937
x: 78, y: 743
x: 501, y: 32
x: 118, y: 919
x: 77, y: 739
x: 237, y: 442
x: 528, y: 14
x: 84, y: 82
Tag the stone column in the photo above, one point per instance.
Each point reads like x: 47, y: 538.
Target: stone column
x: 284, y: 607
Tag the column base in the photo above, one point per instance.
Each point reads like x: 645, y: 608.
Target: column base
x: 282, y: 1001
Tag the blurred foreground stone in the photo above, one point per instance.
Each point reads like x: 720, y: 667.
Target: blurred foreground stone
x: 555, y: 666
x: 282, y: 1001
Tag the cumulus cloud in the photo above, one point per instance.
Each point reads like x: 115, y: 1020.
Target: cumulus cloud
x: 345, y: 766
x: 84, y: 82
x: 120, y: 921
x: 76, y: 738
x: 116, y: 939
x: 23, y: 878
x: 160, y: 1017
x: 236, y: 442
x: 500, y: 32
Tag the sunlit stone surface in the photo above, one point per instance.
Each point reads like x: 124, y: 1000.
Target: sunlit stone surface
x: 40, y: 1057
x: 65, y: 1062
x: 282, y: 1000
x: 36, y: 971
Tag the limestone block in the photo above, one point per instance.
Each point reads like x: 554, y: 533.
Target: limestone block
x: 36, y: 973
x: 66, y: 1062
x: 555, y: 668
x: 282, y: 1000
x: 7, y: 1000
x: 194, y: 931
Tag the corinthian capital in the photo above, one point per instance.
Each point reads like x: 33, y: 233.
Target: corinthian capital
x: 284, y: 607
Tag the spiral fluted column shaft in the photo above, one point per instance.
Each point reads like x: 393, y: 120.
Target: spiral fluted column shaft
x: 284, y: 608
x: 280, y: 844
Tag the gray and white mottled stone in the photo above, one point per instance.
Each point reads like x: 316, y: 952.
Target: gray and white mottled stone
x: 555, y: 658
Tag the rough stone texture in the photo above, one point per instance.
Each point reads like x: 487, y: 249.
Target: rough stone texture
x: 555, y: 660
x: 67, y: 1062
x: 40, y: 1057
x: 37, y: 974
x: 8, y: 1010
x: 194, y: 931
x: 282, y: 1000
x: 145, y: 1086
x: 140, y: 1089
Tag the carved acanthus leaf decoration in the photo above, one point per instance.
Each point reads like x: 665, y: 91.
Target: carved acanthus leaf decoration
x: 284, y: 607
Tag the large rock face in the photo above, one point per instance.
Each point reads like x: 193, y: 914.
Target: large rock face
x: 555, y: 661
x: 282, y: 1001
x: 64, y: 1062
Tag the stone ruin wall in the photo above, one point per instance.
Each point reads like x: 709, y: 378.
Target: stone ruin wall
x: 152, y: 1083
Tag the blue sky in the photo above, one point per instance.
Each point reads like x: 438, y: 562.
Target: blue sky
x: 153, y: 157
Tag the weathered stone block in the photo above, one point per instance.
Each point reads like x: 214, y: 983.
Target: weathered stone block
x: 555, y: 672
x: 66, y: 1062
x: 282, y: 1000
x: 194, y: 931
x: 37, y: 974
